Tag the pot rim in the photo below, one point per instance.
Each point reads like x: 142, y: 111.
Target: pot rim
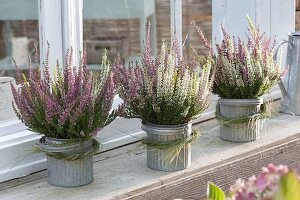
x: 237, y: 102
x: 73, y: 146
x: 63, y: 140
x: 155, y: 129
x: 145, y: 123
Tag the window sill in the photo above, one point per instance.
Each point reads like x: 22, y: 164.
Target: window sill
x: 122, y: 173
x: 16, y: 143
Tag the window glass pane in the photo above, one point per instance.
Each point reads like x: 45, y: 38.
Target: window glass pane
x: 200, y: 13
x: 19, y: 33
x: 120, y: 27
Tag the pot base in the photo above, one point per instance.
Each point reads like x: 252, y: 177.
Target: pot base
x: 161, y: 160
x: 64, y: 173
x: 240, y: 134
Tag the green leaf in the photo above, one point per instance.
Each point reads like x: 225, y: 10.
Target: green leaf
x: 289, y: 188
x: 215, y: 193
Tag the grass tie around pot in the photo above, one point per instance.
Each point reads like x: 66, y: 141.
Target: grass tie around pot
x: 174, y: 147
x: 174, y: 143
x: 266, y: 111
x: 41, y: 147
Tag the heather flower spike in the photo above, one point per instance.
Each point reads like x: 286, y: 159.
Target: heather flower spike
x: 167, y: 89
x: 71, y: 105
x: 244, y: 70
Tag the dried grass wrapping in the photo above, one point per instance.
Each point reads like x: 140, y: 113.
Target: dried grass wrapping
x: 173, y: 148
x: 42, y: 145
x: 266, y: 110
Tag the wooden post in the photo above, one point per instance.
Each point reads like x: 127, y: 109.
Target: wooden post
x: 275, y: 17
x: 176, y: 20
x: 60, y: 24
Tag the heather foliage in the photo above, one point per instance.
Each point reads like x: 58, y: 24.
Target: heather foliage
x: 71, y: 105
x: 244, y: 70
x: 164, y: 90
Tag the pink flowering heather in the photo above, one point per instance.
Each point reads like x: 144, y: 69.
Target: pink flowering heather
x: 244, y: 70
x: 272, y: 183
x: 260, y: 187
x: 165, y: 90
x: 71, y: 105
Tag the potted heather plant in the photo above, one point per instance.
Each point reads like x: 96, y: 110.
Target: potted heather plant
x: 272, y: 183
x: 68, y: 110
x: 244, y: 72
x: 166, y: 93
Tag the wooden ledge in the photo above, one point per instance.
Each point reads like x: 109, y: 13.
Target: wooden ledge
x: 122, y: 173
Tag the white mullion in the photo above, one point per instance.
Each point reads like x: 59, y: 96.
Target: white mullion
x: 176, y: 20
x: 72, y: 27
x: 60, y: 23
x: 50, y: 30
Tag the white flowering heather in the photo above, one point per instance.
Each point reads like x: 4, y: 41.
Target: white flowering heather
x: 244, y: 70
x: 72, y: 105
x: 166, y: 90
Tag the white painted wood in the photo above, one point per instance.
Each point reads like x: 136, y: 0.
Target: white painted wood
x: 263, y: 15
x: 282, y: 18
x: 60, y: 24
x: 176, y: 20
x: 72, y: 27
x: 275, y: 17
x: 16, y: 156
x: 11, y: 126
x: 50, y: 30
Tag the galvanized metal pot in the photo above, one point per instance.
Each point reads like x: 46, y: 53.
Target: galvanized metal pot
x: 69, y: 173
x: 237, y: 108
x: 163, y: 159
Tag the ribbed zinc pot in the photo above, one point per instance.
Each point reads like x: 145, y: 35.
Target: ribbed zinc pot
x: 163, y: 159
x: 238, y: 108
x: 68, y: 173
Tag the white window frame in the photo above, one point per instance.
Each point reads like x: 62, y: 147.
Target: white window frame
x: 60, y: 23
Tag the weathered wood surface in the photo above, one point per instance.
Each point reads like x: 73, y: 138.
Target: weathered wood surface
x: 227, y: 172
